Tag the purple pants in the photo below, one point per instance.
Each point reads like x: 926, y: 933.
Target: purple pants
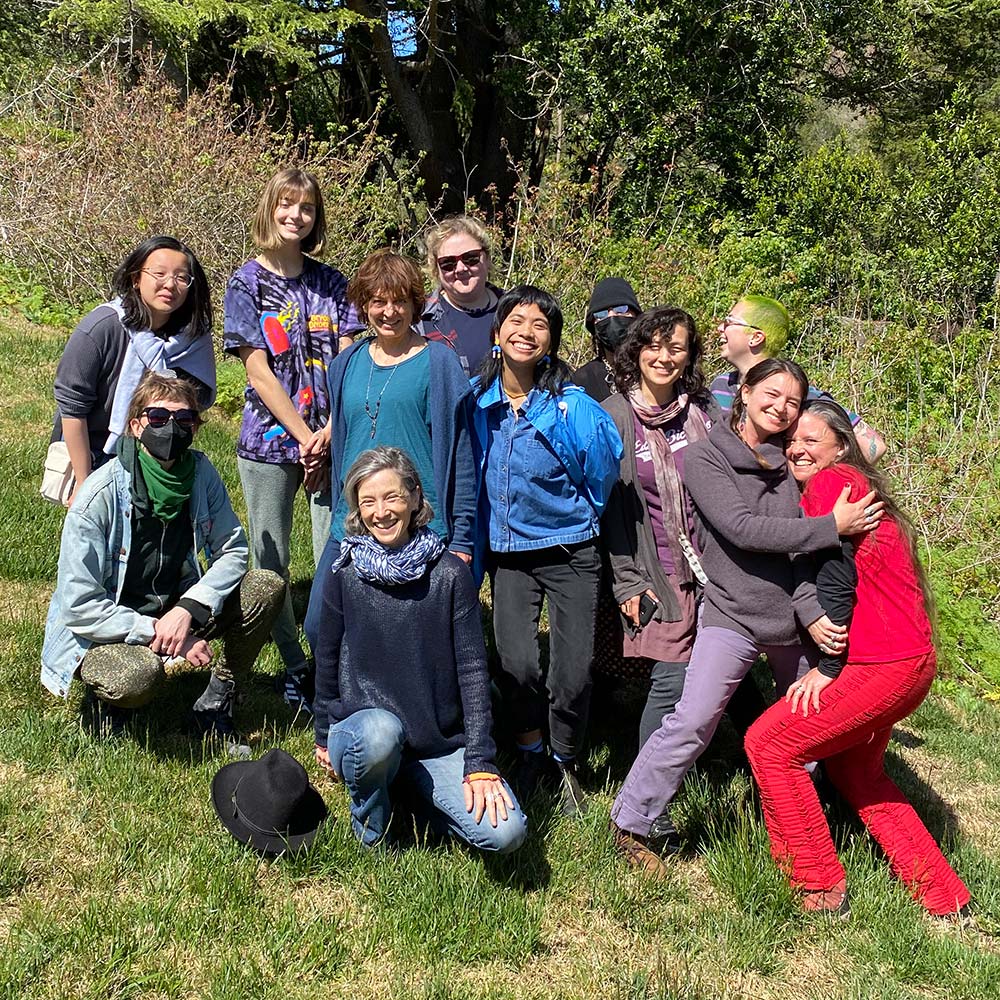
x: 720, y: 659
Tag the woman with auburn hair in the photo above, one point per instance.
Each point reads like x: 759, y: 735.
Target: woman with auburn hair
x: 131, y: 594
x: 843, y: 710
x: 460, y: 310
x: 396, y: 598
x: 650, y: 529
x: 757, y: 599
x: 160, y: 319
x: 287, y: 317
x: 395, y: 388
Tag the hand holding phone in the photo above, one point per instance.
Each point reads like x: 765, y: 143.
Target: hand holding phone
x: 638, y: 611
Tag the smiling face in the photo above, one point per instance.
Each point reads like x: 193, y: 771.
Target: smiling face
x: 462, y: 280
x: 387, y: 507
x: 524, y: 336
x: 661, y: 364
x: 812, y: 446
x: 771, y: 407
x: 390, y: 315
x: 294, y: 215
x: 163, y: 283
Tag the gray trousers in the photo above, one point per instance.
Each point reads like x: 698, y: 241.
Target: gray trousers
x: 128, y: 675
x: 270, y: 495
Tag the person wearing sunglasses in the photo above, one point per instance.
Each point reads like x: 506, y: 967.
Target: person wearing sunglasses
x: 131, y: 598
x: 158, y: 319
x: 461, y: 308
x: 613, y: 307
x: 757, y: 328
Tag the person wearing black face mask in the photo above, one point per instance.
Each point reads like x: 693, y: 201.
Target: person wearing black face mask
x: 613, y: 307
x: 131, y: 597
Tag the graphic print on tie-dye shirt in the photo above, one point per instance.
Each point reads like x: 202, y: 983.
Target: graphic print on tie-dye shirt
x: 297, y: 321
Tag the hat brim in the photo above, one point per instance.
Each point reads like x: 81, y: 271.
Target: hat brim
x: 303, y: 827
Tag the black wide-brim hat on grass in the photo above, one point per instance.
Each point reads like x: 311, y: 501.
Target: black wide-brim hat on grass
x: 268, y: 803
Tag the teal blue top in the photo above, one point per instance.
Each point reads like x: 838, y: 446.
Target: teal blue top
x: 400, y: 395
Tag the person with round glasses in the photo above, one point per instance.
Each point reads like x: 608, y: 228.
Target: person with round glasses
x: 131, y: 597
x: 159, y: 319
x: 757, y: 328
x: 461, y: 308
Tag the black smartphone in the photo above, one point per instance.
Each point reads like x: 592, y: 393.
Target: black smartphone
x: 647, y: 608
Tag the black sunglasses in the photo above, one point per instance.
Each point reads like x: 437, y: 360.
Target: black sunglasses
x: 160, y: 416
x: 470, y: 259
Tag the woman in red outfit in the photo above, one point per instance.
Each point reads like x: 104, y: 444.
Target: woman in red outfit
x: 843, y: 710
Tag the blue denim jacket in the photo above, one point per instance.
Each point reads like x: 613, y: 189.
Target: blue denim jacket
x: 577, y: 451
x: 96, y: 540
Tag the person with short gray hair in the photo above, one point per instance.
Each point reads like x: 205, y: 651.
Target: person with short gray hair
x: 402, y: 690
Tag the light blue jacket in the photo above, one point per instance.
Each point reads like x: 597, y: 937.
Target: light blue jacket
x: 96, y: 541
x: 584, y: 439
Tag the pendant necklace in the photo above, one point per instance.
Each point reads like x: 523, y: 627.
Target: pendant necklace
x: 373, y: 413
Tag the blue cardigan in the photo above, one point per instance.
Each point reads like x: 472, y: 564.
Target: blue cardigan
x: 451, y: 444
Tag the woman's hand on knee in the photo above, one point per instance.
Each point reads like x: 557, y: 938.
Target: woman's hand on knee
x: 806, y: 692
x: 486, y: 795
x: 859, y: 517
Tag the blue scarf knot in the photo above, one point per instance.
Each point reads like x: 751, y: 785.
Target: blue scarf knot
x: 375, y: 563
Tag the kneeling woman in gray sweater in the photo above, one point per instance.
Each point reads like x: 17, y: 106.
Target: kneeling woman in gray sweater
x: 757, y: 600
x: 402, y: 691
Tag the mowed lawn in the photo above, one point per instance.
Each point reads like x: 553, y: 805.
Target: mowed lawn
x: 117, y: 881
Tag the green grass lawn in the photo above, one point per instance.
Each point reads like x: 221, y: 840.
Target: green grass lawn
x: 117, y: 881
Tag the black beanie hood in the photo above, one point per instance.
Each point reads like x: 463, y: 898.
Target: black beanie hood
x: 611, y: 292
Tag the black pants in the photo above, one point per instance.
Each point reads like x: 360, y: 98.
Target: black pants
x: 567, y: 577
x: 666, y: 685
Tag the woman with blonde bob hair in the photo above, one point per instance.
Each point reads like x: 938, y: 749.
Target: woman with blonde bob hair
x: 397, y: 389
x: 461, y: 309
x: 424, y: 729
x: 287, y: 316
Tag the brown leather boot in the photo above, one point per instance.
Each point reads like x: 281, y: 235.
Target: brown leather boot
x: 638, y: 853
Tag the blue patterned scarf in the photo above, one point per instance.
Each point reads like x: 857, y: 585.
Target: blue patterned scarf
x: 375, y: 563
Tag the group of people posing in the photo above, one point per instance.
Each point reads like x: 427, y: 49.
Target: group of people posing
x: 441, y: 440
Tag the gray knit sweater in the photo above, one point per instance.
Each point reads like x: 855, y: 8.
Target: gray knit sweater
x: 754, y: 524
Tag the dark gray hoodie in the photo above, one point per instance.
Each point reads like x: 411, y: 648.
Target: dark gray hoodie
x: 754, y: 525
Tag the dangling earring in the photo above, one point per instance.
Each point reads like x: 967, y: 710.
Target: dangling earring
x: 546, y: 360
x: 495, y: 351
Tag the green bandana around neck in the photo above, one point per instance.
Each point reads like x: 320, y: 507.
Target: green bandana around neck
x: 169, y: 489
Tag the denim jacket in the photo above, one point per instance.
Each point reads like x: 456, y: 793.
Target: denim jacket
x: 583, y: 438
x: 96, y: 541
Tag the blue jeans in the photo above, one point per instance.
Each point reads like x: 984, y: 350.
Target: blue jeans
x: 367, y: 751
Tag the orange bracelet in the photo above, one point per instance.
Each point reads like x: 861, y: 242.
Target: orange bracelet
x: 481, y: 776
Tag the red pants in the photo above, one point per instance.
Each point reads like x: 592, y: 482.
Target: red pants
x: 849, y: 734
